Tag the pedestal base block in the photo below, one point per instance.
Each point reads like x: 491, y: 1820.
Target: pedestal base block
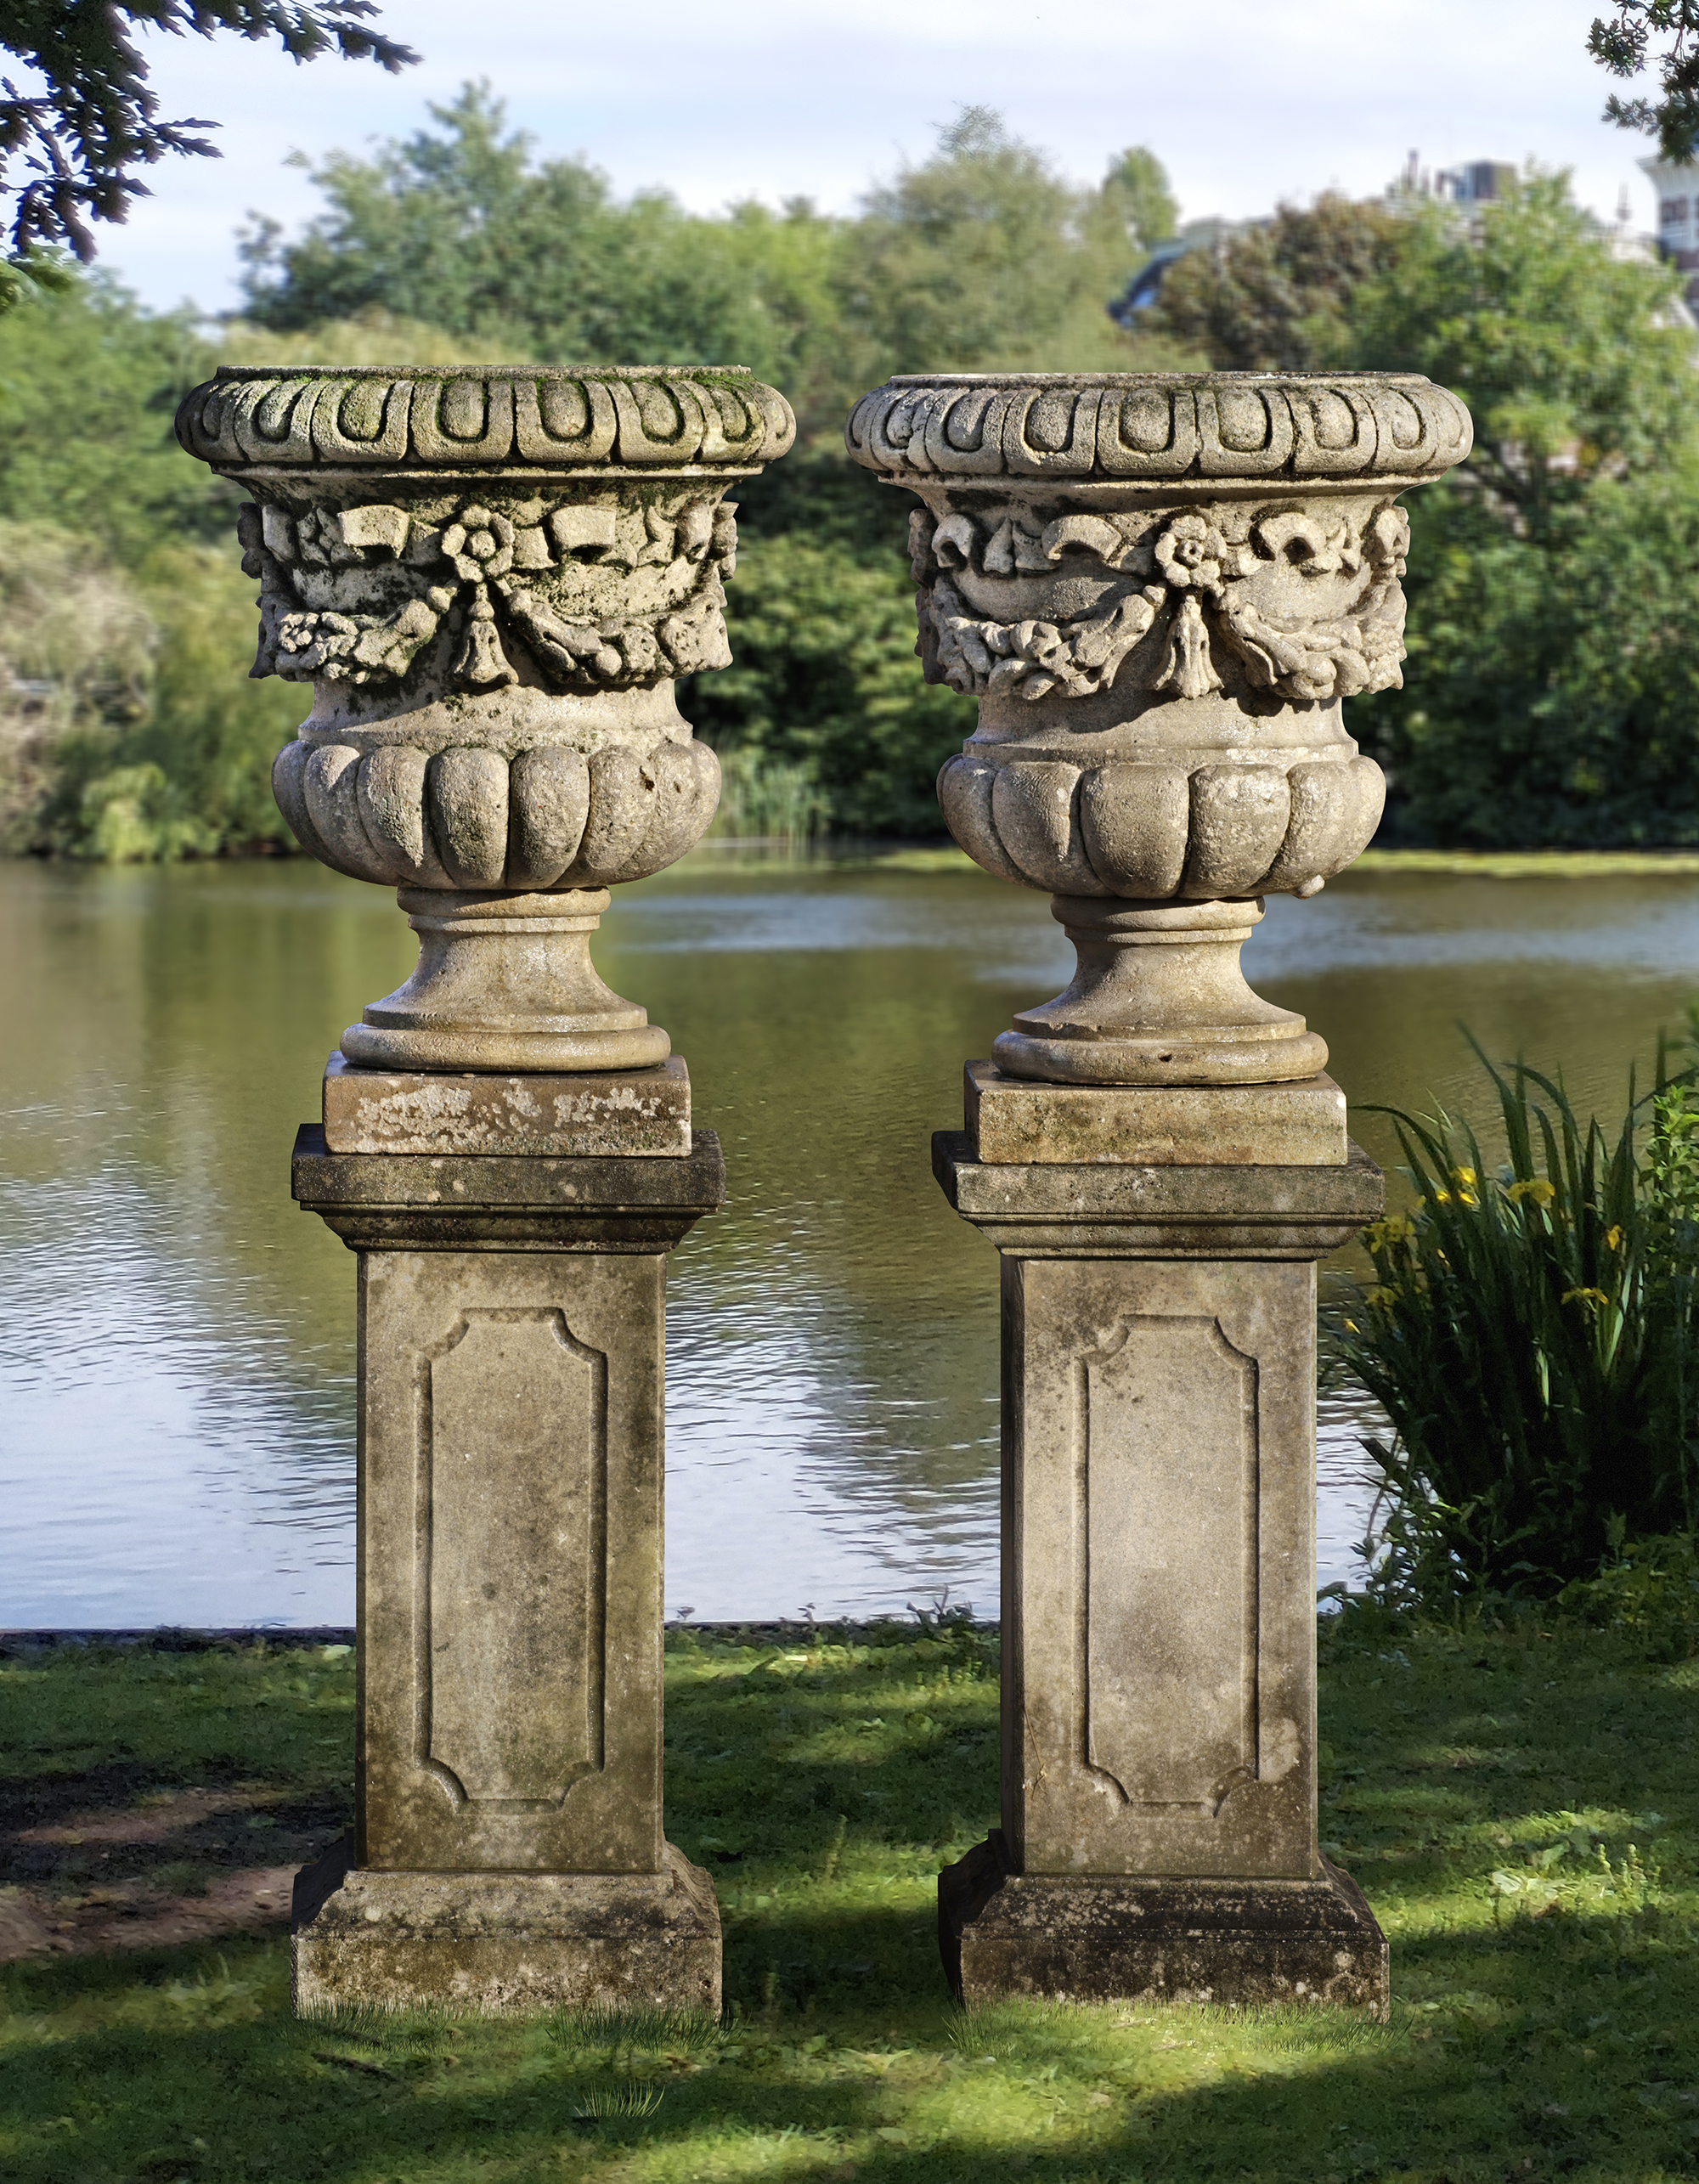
x: 613, y: 1115
x: 1014, y: 1122
x: 504, y: 1941
x: 1097, y: 1939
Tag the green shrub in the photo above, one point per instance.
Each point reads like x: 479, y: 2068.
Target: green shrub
x: 824, y: 677
x: 1531, y: 1335
x: 155, y: 744
x: 768, y: 799
x: 1650, y: 1592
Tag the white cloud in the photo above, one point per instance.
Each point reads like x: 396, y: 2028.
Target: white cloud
x: 1246, y: 101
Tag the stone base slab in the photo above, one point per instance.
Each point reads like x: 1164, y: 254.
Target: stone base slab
x: 1091, y: 1938
x: 1011, y: 1121
x: 607, y: 1115
x: 503, y: 1941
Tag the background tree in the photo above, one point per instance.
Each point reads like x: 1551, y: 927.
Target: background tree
x: 1138, y: 182
x: 1277, y: 296
x: 1551, y: 694
x: 458, y: 228
x: 984, y: 258
x: 81, y: 140
x: 1572, y: 360
x: 1622, y: 43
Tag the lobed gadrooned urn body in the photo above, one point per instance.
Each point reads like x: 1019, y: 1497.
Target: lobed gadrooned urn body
x: 492, y: 578
x: 1160, y: 588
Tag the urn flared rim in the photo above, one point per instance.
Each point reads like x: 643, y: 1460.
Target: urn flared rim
x: 1137, y: 379
x: 420, y: 422
x: 706, y: 373
x: 1196, y: 433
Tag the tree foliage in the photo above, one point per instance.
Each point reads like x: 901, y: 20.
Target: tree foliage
x: 1550, y: 695
x: 984, y: 258
x: 1622, y: 43
x: 1277, y: 296
x: 981, y: 256
x: 88, y: 385
x: 458, y: 228
x: 81, y: 140
x: 1137, y: 185
x: 1571, y: 358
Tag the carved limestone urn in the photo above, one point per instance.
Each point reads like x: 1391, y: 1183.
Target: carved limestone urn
x: 1160, y: 588
x: 492, y: 578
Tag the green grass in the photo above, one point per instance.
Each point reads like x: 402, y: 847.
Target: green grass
x: 844, y: 854
x: 1546, y: 2022
x: 1533, y: 863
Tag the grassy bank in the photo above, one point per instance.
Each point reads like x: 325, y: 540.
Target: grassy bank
x: 1535, y: 864
x: 846, y: 854
x: 1546, y: 2022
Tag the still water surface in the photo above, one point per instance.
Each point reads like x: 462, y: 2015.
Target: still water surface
x: 177, y: 1345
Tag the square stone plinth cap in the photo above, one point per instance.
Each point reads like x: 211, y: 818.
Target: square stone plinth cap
x: 1156, y: 1210
x: 610, y: 1113
x: 1013, y: 1121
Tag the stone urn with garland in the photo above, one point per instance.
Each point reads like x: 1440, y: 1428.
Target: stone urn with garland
x: 492, y: 579
x: 1160, y: 589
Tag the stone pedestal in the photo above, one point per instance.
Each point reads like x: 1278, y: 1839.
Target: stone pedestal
x: 1160, y: 588
x: 494, y: 577
x: 1159, y: 1775
x: 508, y: 1851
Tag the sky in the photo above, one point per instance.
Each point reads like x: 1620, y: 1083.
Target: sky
x: 1246, y: 102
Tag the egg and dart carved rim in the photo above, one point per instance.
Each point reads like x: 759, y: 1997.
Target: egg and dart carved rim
x: 410, y: 467
x: 1200, y: 454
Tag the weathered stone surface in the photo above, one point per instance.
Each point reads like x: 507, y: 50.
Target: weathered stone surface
x: 1012, y: 1121
x: 503, y: 983
x: 506, y: 1202
x: 510, y: 1560
x: 643, y: 1113
x: 1160, y: 588
x: 1101, y: 1940
x: 493, y: 579
x: 1158, y: 1771
x: 511, y: 1340
x: 1158, y: 1502
x: 1155, y: 1210
x: 504, y: 1942
x: 1159, y: 998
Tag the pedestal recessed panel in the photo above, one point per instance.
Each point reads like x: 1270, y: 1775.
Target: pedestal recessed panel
x: 511, y: 1561
x: 1168, y: 1518
x: 515, y: 1584
x: 1159, y: 1481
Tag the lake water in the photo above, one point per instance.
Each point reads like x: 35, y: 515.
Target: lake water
x: 177, y: 1345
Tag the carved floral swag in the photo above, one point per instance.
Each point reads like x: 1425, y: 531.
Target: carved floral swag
x: 1197, y: 565
x: 356, y: 594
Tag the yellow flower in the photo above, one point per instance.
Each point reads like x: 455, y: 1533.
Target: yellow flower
x: 1467, y: 1198
x: 1378, y: 1299
x: 1380, y: 1235
x: 1350, y: 1327
x: 1585, y: 1296
x: 1536, y: 1187
x: 1613, y: 1239
x: 1464, y: 1175
x: 1441, y: 1197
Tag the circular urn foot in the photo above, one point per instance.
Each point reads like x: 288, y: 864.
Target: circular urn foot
x: 505, y: 982
x: 1159, y: 998
x: 1194, y: 1057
